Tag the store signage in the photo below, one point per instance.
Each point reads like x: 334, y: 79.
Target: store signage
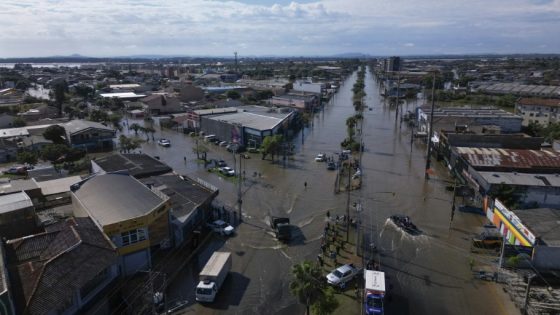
x: 514, y: 221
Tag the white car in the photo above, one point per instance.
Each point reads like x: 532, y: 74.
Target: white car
x: 321, y: 157
x: 228, y: 171
x: 221, y: 227
x: 341, y: 275
x: 164, y: 142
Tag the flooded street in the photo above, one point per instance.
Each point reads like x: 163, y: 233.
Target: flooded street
x: 427, y: 274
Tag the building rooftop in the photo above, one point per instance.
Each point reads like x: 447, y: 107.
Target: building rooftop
x: 543, y: 222
x: 46, y: 269
x: 115, y: 197
x: 58, y: 185
x: 521, y: 179
x: 14, y: 202
x: 43, y: 174
x: 78, y: 125
x: 215, y: 111
x: 467, y: 112
x: 184, y: 193
x: 137, y: 165
x: 11, y: 186
x: 540, y: 102
x: 122, y: 95
x: 250, y: 120
x: 512, y: 159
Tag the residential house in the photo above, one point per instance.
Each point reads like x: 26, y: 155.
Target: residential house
x: 158, y: 104
x: 190, y: 93
x: 137, y: 165
x: 61, y: 270
x: 89, y: 135
x: 8, y: 151
x: 300, y: 101
x: 134, y: 217
x: 6, y: 298
x: 542, y: 111
x: 190, y: 203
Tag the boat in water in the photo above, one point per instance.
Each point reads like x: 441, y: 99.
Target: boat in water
x: 404, y: 222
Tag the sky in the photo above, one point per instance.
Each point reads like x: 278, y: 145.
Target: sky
x: 104, y: 28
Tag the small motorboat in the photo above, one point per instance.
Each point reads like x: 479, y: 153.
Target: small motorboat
x: 405, y: 224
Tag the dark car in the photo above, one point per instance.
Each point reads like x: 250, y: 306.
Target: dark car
x: 222, y: 163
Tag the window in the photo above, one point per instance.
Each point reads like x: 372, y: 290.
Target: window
x: 132, y: 236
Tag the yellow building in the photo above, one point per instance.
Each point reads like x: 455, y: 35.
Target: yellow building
x: 134, y: 217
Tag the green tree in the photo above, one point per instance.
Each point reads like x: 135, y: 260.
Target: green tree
x: 60, y: 88
x: 115, y: 119
x: 83, y: 91
x: 234, y: 95
x: 19, y: 122
x: 271, y: 145
x: 55, y: 133
x: 307, y: 283
x: 129, y: 144
x: 27, y: 157
x: 326, y: 304
x: 53, y: 152
x: 98, y: 116
x: 200, y: 149
x: 136, y: 127
x: 506, y: 194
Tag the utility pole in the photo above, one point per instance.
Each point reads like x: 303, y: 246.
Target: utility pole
x: 428, y: 160
x: 453, y: 203
x: 527, y: 291
x: 239, y: 201
x: 358, y: 226
x: 398, y: 94
x: 348, y: 204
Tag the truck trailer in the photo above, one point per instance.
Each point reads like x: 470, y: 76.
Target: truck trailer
x: 282, y: 228
x: 212, y: 276
x: 374, y: 292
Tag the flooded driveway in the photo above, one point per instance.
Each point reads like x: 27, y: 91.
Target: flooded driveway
x: 427, y: 274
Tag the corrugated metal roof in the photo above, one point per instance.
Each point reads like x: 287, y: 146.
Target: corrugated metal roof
x: 510, y: 158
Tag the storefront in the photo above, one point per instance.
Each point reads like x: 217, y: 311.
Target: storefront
x: 510, y: 226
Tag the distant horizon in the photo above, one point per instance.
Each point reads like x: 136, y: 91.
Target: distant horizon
x: 278, y: 27
x: 349, y: 55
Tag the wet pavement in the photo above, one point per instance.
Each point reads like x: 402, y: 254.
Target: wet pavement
x: 427, y: 274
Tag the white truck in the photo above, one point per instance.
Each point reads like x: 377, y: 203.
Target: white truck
x: 212, y: 276
x: 375, y: 292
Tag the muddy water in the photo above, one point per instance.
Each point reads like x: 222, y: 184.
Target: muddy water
x: 427, y: 274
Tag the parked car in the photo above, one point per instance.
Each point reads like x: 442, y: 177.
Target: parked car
x: 341, y: 275
x: 221, y: 227
x: 321, y: 157
x: 164, y: 142
x: 222, y: 163
x: 228, y: 171
x: 223, y: 143
x: 17, y: 170
x: 331, y: 166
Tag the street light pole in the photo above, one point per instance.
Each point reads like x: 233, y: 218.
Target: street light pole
x: 528, y: 289
x: 428, y: 161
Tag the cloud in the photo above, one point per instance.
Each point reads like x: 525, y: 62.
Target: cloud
x: 120, y: 27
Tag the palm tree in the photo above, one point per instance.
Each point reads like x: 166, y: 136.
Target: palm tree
x: 307, y: 284
x: 136, y: 127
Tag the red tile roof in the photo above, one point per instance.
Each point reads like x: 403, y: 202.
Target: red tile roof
x: 540, y: 102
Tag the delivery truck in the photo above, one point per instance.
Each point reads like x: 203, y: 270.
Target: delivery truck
x: 374, y: 292
x: 212, y: 276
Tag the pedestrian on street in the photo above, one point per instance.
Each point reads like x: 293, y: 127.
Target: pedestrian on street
x: 305, y: 185
x: 328, y: 214
x: 471, y: 263
x: 185, y: 159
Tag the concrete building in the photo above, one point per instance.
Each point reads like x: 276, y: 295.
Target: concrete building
x: 158, y: 104
x: 17, y: 215
x: 137, y: 165
x: 134, y: 217
x: 89, y: 135
x: 299, y: 101
x: 190, y: 93
x: 309, y: 87
x: 517, y: 89
x: 193, y: 117
x: 190, y: 204
x: 538, y: 110
x: 393, y: 64
x: 449, y: 118
x: 248, y: 126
